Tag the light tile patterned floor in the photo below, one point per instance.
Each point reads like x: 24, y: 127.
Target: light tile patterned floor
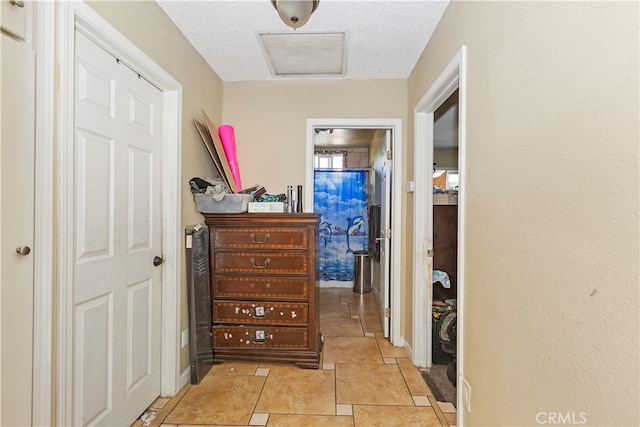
x: 364, y: 381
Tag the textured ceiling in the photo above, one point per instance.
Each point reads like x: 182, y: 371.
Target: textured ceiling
x: 383, y: 38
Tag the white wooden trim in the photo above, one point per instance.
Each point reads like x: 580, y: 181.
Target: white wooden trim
x: 308, y: 191
x: 462, y: 221
x: 423, y: 240
x: 65, y: 185
x: 77, y: 15
x: 171, y: 241
x: 396, y: 235
x: 453, y: 77
x: 396, y: 209
x: 44, y: 189
x: 407, y: 346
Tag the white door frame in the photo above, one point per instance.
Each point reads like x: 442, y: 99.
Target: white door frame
x: 395, y: 125
x: 74, y: 16
x: 453, y: 77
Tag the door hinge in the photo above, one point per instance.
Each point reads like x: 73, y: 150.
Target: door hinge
x: 430, y: 253
x: 389, y: 155
x: 387, y: 312
x: 386, y: 235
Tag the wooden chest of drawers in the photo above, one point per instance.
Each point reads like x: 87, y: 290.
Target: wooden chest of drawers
x: 264, y: 287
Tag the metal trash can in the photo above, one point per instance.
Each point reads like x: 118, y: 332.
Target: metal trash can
x: 362, y: 272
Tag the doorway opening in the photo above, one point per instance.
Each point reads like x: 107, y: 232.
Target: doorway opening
x: 441, y: 377
x: 328, y: 145
x: 439, y: 219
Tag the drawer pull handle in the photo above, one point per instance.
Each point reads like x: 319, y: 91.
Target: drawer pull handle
x: 266, y: 238
x: 18, y: 3
x: 259, y: 312
x: 266, y: 263
x: 259, y: 337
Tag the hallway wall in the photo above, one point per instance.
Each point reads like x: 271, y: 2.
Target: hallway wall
x: 270, y: 120
x: 551, y: 313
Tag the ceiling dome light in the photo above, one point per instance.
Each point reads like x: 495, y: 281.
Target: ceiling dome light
x: 295, y: 13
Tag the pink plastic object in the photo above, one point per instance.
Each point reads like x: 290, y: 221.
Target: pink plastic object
x: 228, y: 138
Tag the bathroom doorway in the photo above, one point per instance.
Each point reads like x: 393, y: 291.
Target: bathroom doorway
x: 362, y: 143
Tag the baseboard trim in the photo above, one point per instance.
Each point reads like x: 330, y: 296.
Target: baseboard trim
x: 185, y: 377
x: 407, y: 347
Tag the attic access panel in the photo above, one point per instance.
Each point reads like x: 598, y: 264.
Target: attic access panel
x: 305, y: 54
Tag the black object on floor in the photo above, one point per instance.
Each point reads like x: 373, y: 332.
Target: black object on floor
x: 438, y: 356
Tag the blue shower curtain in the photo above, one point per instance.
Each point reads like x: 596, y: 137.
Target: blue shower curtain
x: 340, y: 197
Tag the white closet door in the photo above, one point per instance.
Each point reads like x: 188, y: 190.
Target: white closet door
x: 17, y: 84
x: 117, y: 288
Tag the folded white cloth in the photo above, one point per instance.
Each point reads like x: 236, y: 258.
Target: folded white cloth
x: 442, y: 277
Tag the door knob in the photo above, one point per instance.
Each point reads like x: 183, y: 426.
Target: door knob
x: 18, y: 3
x: 157, y: 261
x: 23, y: 250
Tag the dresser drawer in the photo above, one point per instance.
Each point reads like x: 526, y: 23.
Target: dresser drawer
x: 260, y: 237
x: 244, y: 312
x: 260, y: 262
x: 265, y: 288
x: 259, y: 337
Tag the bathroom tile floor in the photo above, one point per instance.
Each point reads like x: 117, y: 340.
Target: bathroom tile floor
x: 363, y: 381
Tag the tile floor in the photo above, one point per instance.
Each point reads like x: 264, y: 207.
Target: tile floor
x: 364, y: 381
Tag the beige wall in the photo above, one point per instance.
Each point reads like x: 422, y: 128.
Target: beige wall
x: 149, y: 28
x: 445, y: 158
x: 551, y: 271
x: 269, y: 119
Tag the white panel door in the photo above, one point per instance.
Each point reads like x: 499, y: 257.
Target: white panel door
x: 385, y: 242
x: 16, y: 224
x: 117, y: 235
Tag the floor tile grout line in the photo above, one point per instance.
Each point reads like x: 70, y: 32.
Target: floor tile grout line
x: 335, y: 389
x: 438, y: 411
x: 170, y: 406
x: 364, y: 311
x: 255, y: 405
x: 404, y: 377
